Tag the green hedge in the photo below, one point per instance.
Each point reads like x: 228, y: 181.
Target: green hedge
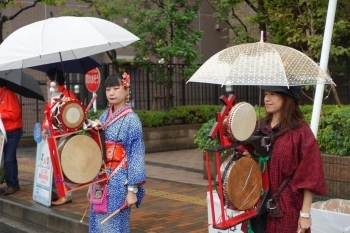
x: 333, y: 133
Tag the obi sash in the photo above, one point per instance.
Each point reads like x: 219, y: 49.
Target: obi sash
x: 115, y: 152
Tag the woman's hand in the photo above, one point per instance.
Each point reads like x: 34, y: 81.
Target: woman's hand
x: 131, y: 198
x: 88, y: 193
x: 303, y: 224
x: 246, y: 153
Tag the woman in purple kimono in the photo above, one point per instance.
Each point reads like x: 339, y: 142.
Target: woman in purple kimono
x: 295, y: 160
x: 123, y: 130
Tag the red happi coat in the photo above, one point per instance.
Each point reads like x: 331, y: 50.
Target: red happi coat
x: 296, y: 153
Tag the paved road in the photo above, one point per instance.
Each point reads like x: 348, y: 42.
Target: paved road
x: 175, y: 198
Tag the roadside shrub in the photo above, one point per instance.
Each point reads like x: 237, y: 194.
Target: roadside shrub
x: 334, y: 132
x: 153, y: 118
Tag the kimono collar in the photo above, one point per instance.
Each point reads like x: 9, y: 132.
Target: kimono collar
x: 274, y: 132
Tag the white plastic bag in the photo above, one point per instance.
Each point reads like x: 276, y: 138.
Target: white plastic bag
x: 331, y: 216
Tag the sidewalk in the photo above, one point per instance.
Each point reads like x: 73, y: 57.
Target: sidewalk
x: 175, y: 198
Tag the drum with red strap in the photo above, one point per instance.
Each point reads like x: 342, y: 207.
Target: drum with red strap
x: 69, y: 115
x: 80, y: 157
x: 242, y: 182
x: 240, y: 123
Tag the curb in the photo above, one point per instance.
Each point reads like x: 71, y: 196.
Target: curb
x: 54, y: 220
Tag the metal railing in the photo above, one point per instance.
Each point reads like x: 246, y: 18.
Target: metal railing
x: 146, y: 93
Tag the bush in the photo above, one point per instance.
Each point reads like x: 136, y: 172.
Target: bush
x: 333, y: 133
x: 202, y: 139
x: 153, y: 118
x: 178, y: 115
x: 91, y: 115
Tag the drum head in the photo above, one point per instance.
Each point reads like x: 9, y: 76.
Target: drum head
x: 81, y: 158
x: 72, y: 115
x: 244, y: 183
x: 242, y: 121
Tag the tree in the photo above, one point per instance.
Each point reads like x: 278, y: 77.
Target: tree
x: 167, y: 36
x: 17, y: 4
x: 297, y: 24
x: 245, y: 18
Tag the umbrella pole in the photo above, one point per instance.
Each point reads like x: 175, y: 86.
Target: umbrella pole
x: 259, y: 109
x: 64, y: 73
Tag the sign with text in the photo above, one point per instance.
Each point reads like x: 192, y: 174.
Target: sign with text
x: 43, y: 175
x: 92, y: 80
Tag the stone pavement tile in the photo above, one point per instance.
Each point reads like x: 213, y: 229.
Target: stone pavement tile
x: 175, y: 175
x: 167, y: 207
x: 183, y: 158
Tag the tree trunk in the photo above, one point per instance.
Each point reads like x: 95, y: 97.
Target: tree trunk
x: 336, y: 97
x: 169, y: 87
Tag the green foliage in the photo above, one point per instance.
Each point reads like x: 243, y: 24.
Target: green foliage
x: 193, y: 114
x: 202, y: 139
x: 297, y: 24
x: 91, y: 115
x: 334, y: 132
x: 166, y: 32
x: 153, y: 118
x: 178, y: 115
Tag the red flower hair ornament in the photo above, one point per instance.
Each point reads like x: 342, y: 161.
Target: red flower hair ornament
x: 126, y: 80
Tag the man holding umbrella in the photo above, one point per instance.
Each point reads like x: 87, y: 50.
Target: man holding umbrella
x: 11, y: 115
x: 56, y: 80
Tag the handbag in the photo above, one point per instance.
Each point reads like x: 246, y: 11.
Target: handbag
x: 98, y: 198
x: 99, y: 192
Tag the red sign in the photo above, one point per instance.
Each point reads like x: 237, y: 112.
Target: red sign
x: 92, y: 80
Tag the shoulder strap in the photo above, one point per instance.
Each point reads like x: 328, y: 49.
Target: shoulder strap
x: 118, y: 167
x: 276, y: 196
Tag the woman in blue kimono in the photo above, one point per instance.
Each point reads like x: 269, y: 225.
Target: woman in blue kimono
x: 123, y: 133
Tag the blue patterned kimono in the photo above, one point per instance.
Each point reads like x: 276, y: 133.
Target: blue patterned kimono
x: 126, y: 130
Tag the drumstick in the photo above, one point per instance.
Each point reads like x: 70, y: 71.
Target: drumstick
x: 114, y: 213
x: 85, y: 212
x: 94, y: 96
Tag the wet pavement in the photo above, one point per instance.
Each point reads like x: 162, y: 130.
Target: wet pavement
x: 175, y: 198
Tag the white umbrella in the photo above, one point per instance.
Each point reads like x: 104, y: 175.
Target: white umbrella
x: 61, y: 39
x: 260, y: 64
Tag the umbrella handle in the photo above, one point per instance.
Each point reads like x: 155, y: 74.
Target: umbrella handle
x: 94, y: 96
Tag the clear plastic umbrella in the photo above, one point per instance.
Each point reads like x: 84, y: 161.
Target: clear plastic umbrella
x: 61, y: 39
x: 261, y: 64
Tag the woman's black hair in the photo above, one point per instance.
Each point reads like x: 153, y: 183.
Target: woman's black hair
x: 56, y: 75
x: 113, y: 80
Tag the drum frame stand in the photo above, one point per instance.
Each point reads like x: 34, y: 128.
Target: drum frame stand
x: 225, y: 144
x: 55, y: 135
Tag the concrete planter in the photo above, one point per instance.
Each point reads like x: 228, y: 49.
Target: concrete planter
x: 157, y: 139
x: 167, y: 138
x: 337, y: 175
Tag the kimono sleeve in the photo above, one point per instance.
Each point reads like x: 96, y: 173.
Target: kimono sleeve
x: 309, y: 173
x: 135, y: 152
